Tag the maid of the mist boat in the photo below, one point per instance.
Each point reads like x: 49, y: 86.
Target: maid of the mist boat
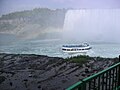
x: 82, y: 48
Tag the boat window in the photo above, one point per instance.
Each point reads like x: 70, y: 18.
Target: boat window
x: 64, y: 49
x: 68, y: 49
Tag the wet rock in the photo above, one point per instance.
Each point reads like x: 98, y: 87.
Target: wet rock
x: 45, y: 73
x: 86, y: 70
x: 88, y: 65
x: 25, y: 80
x: 2, y: 79
x: 11, y: 84
x: 83, y: 74
x: 30, y: 75
x: 39, y: 86
x: 64, y: 81
x: 77, y: 75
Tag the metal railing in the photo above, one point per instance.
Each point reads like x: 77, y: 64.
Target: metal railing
x: 108, y: 79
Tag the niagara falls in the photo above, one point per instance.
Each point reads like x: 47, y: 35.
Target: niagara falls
x: 92, y: 25
x: 59, y: 44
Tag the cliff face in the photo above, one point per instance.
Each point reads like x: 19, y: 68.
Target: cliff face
x: 33, y: 22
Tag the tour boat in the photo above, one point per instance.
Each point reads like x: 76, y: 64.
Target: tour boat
x: 73, y: 48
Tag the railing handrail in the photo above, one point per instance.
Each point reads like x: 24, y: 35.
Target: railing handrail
x: 101, y: 72
x: 92, y: 76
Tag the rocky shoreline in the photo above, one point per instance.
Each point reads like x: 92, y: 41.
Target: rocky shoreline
x: 39, y: 72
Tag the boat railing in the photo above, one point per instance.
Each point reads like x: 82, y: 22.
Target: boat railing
x: 85, y: 45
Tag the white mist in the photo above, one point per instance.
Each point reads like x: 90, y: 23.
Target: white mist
x: 92, y: 25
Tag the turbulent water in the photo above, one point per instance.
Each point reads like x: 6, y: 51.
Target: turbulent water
x: 85, y: 25
x: 53, y: 48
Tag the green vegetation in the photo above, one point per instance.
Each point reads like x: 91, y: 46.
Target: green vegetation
x: 79, y: 59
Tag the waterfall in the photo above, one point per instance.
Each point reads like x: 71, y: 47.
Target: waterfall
x: 92, y: 25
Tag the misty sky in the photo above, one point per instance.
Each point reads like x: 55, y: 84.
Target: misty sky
x: 7, y: 6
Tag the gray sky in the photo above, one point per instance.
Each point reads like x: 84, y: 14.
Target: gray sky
x: 7, y: 6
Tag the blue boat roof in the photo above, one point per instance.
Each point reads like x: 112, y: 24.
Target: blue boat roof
x: 75, y: 45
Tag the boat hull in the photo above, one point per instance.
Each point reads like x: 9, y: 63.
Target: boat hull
x: 82, y: 51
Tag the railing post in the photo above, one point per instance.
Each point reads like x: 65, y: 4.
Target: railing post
x: 119, y: 73
x: 83, y: 87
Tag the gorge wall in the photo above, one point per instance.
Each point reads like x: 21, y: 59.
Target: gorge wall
x: 33, y: 23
